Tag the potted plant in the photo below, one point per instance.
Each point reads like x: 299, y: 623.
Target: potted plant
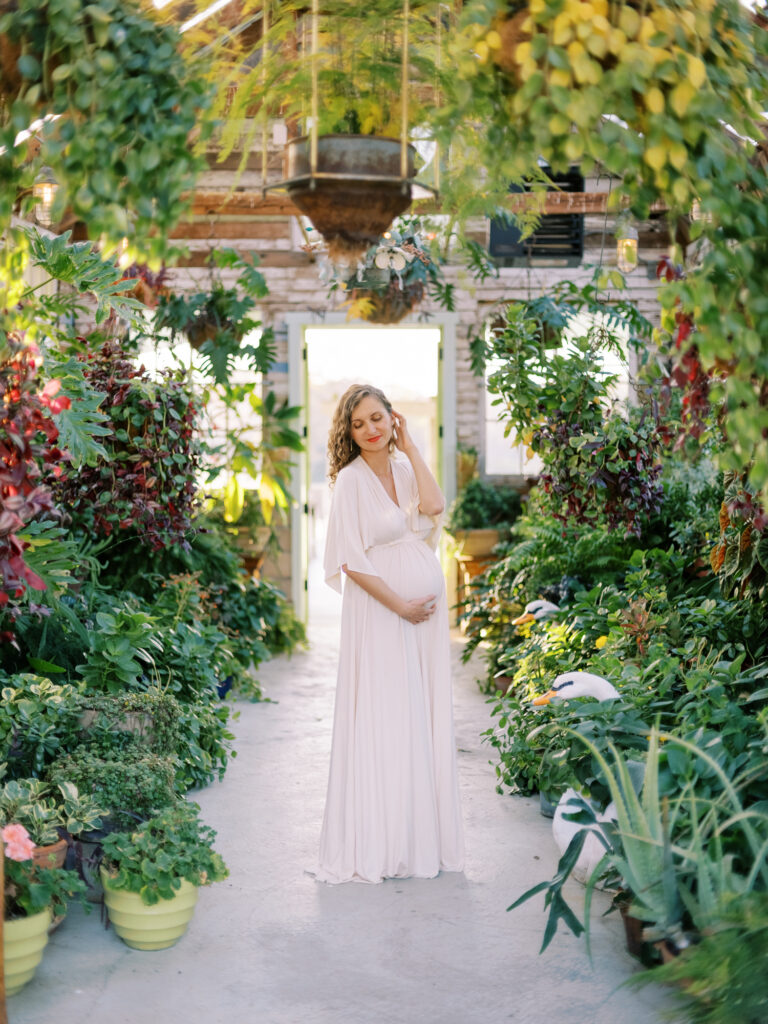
x: 151, y: 876
x: 130, y: 782
x: 478, y: 514
x: 46, y: 811
x: 31, y: 895
x: 392, y: 278
x: 638, y: 851
x: 216, y: 321
x: 267, y: 462
x: 350, y: 93
x: 33, y: 707
x: 151, y: 717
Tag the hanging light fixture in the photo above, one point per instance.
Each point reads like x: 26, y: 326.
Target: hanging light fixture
x: 698, y: 213
x: 626, y: 246
x: 44, y: 190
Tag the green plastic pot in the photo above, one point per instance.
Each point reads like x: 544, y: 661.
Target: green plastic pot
x: 155, y: 927
x: 23, y: 943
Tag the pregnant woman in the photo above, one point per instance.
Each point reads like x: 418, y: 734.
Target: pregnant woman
x: 392, y: 808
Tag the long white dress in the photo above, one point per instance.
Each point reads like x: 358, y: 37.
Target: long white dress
x: 392, y: 808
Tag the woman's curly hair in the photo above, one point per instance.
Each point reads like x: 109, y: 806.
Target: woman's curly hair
x: 341, y: 448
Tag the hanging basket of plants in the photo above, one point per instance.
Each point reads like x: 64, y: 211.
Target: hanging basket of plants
x: 392, y: 279
x: 356, y: 190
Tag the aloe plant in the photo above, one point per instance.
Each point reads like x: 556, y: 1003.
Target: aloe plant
x: 643, y: 854
x: 638, y: 849
x: 693, y: 873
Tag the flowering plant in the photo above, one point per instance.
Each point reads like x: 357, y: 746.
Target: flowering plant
x: 29, y: 888
x: 391, y: 279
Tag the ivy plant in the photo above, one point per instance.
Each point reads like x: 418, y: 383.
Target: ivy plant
x: 119, y: 103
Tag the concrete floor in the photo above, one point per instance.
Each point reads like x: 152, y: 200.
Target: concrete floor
x: 272, y: 946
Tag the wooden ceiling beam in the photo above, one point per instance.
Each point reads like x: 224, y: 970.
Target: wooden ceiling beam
x: 252, y: 202
x: 273, y: 258
x: 242, y: 204
x: 229, y: 229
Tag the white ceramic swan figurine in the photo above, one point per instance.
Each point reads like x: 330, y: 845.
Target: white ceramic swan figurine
x: 535, y: 611
x: 579, y: 684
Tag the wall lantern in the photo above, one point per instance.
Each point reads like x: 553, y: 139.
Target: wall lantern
x: 44, y: 190
x: 699, y: 214
x: 626, y: 246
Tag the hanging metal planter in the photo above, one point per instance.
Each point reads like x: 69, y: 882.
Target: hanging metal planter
x: 351, y: 187
x: 353, y: 190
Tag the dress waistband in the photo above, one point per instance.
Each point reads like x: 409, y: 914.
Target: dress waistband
x: 412, y: 539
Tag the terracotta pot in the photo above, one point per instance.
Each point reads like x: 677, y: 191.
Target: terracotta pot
x: 633, y: 930
x: 476, y: 544
x: 501, y: 684
x: 52, y: 856
x: 137, y: 722
x: 668, y: 950
x: 354, y: 206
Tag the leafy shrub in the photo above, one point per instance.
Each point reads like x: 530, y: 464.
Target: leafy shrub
x: 143, y: 490
x: 39, y: 720
x: 132, y: 784
x: 28, y: 446
x: 107, y: 152
x: 205, y: 743
x: 717, y: 975
x: 480, y: 504
x: 44, y: 809
x: 153, y: 859
x: 123, y: 647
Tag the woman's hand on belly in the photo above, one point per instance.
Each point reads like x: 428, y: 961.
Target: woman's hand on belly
x: 419, y: 609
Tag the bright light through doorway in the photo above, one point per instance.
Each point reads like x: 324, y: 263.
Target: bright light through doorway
x: 384, y: 356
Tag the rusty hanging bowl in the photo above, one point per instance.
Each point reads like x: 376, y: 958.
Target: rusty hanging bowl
x: 356, y: 191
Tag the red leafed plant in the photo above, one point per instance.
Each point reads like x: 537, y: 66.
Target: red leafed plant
x: 687, y: 374
x: 28, y: 437
x: 146, y: 487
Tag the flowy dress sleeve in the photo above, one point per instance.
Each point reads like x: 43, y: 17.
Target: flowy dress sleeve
x: 428, y: 526
x: 346, y: 541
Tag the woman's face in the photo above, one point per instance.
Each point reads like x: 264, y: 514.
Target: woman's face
x: 371, y: 425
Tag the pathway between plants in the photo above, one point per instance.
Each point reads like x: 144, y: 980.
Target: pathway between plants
x: 272, y: 946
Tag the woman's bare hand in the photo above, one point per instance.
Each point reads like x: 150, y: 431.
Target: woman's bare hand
x: 402, y: 438
x: 419, y: 609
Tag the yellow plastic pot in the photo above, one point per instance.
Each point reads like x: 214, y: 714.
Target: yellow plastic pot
x: 23, y: 943
x: 155, y: 927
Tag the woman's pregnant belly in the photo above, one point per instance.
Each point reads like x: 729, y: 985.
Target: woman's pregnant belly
x: 410, y: 568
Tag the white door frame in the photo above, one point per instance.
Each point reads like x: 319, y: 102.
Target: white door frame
x: 446, y: 397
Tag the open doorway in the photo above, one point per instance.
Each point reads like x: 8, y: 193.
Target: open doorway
x: 404, y: 363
